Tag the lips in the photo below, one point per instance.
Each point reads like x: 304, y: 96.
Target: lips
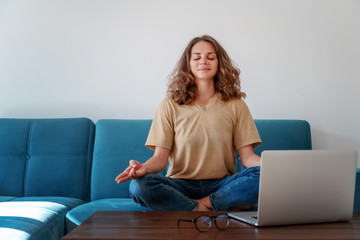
x: 204, y: 69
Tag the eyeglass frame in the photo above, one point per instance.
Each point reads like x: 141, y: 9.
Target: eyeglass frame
x: 210, y: 224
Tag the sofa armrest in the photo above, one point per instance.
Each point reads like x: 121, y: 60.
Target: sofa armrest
x: 357, y: 191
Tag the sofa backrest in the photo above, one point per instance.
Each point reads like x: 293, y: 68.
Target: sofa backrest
x: 282, y: 135
x: 46, y: 157
x: 118, y: 141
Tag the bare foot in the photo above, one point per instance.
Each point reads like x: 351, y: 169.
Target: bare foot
x: 204, y: 204
x: 202, y: 207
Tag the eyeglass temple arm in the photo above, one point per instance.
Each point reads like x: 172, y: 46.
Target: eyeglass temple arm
x: 185, y: 220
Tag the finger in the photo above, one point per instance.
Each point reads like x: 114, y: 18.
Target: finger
x: 123, y: 174
x: 132, y: 173
x: 121, y: 180
x: 134, y: 164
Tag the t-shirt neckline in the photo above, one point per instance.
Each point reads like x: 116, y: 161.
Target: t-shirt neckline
x: 208, y: 105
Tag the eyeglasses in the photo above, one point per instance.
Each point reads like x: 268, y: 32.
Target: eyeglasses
x: 203, y: 223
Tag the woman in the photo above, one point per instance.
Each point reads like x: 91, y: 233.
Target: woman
x: 198, y: 129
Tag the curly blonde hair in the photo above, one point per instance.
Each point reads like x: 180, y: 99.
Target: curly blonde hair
x: 182, y: 87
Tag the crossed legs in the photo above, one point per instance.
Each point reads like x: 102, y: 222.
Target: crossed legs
x: 167, y: 194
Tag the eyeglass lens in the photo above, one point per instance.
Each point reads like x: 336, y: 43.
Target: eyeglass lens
x: 203, y: 223
x: 222, y: 221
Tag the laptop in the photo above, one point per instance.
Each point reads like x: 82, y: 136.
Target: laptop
x: 304, y: 186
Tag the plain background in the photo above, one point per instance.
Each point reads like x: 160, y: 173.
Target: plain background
x: 300, y: 59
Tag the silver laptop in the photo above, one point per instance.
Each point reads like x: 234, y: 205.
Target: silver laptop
x: 305, y: 186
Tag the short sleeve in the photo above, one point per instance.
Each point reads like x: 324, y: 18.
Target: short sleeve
x: 161, y: 132
x: 245, y: 130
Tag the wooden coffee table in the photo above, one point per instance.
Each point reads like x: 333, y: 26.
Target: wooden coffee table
x: 163, y: 225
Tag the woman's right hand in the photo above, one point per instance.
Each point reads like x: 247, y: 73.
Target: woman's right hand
x: 155, y: 164
x: 135, y: 170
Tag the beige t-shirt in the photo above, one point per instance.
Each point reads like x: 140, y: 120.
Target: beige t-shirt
x: 202, y: 143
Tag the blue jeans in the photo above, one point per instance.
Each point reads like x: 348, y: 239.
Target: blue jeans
x: 161, y: 193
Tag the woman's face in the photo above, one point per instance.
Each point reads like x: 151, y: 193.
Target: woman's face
x: 203, y: 61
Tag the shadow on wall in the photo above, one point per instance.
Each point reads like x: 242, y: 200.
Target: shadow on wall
x: 112, y: 110
x: 64, y: 111
x: 329, y: 141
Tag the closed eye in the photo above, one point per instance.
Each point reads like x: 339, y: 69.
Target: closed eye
x: 210, y: 56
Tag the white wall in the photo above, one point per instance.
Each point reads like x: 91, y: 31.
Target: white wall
x: 300, y: 59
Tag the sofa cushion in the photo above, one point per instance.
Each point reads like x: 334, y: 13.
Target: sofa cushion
x: 46, y: 157
x: 13, y: 150
x: 79, y: 214
x: 6, y: 198
x: 283, y: 135
x: 59, y: 156
x: 65, y: 202
x: 35, y: 218
x: 116, y: 143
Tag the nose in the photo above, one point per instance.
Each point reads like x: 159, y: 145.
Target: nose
x: 203, y: 61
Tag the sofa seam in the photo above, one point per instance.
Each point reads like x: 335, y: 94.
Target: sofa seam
x: 27, y: 157
x: 89, y: 160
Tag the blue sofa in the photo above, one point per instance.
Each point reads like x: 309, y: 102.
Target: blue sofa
x: 56, y: 172
x: 44, y: 172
